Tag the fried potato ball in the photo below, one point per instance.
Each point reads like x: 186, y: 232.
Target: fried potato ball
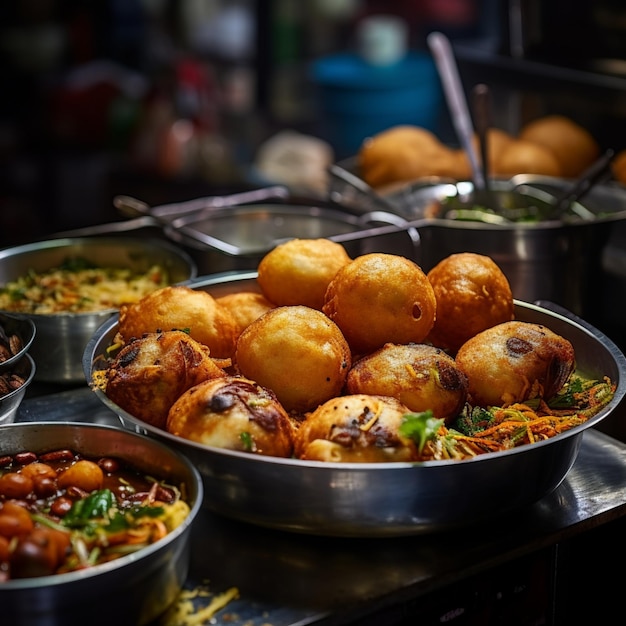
x: 298, y: 271
x: 245, y: 307
x: 515, y: 361
x: 149, y: 373
x: 573, y: 146
x: 472, y: 294
x: 404, y: 153
x: 298, y: 353
x: 233, y: 413
x: 357, y: 428
x: 523, y: 156
x: 182, y: 308
x: 381, y: 298
x: 420, y: 376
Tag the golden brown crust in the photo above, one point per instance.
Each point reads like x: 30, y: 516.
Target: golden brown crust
x: 233, y: 413
x: 299, y: 270
x: 151, y: 372
x: 245, y: 307
x: 357, y: 428
x: 472, y: 294
x: 381, y: 298
x: 514, y: 361
x: 420, y: 376
x: 182, y: 308
x: 298, y: 353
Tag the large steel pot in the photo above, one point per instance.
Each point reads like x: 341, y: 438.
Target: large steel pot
x: 383, y: 499
x: 134, y: 589
x: 564, y: 261
x: 61, y: 338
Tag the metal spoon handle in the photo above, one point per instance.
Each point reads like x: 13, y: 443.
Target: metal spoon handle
x: 443, y: 56
x: 482, y: 118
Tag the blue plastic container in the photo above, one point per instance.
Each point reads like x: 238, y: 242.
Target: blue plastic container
x: 358, y: 100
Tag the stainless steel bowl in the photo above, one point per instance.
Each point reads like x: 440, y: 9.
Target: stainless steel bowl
x: 384, y: 499
x: 10, y: 402
x: 134, y: 589
x: 61, y: 338
x: 24, y: 328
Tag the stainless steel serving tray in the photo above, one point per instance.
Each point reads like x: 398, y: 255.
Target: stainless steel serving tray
x: 386, y: 499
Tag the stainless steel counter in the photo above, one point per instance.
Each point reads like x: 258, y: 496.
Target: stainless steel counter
x: 291, y: 580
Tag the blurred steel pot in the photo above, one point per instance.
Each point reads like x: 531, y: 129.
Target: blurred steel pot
x: 134, y: 589
x: 384, y: 499
x: 237, y: 238
x: 61, y: 338
x: 557, y: 260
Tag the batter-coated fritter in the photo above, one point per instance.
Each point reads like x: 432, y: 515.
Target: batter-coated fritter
x: 381, y: 298
x: 298, y: 271
x: 419, y: 375
x: 298, y: 353
x: 150, y: 373
x: 514, y: 361
x: 182, y: 308
x: 472, y: 295
x: 355, y: 429
x: 233, y: 413
x: 245, y: 307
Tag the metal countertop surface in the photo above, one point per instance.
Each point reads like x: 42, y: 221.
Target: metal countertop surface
x: 287, y: 579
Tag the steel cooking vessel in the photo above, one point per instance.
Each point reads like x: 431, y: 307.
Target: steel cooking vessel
x: 134, y: 589
x: 384, y: 499
x: 564, y: 261
x: 60, y: 338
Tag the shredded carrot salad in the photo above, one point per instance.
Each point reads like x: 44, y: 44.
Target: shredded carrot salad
x: 479, y: 430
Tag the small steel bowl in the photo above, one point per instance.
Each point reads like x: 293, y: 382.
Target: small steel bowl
x: 61, y: 337
x: 10, y: 402
x: 24, y: 328
x: 135, y: 588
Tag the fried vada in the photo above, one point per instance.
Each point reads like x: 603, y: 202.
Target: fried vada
x: 233, y: 413
x: 381, y: 298
x: 472, y: 294
x: 245, y: 307
x: 182, y: 308
x: 298, y: 271
x: 298, y: 353
x: 149, y: 373
x: 355, y: 429
x: 515, y: 361
x: 420, y: 376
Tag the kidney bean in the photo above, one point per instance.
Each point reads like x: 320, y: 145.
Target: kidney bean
x: 24, y: 458
x: 56, y: 455
x: 61, y: 505
x: 14, y: 485
x: 109, y: 465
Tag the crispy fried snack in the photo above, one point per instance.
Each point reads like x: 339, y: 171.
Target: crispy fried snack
x: 357, y: 428
x: 233, y: 413
x: 515, y: 361
x: 299, y: 270
x: 181, y: 308
x: 421, y: 376
x: 381, y: 298
x: 245, y: 307
x: 150, y: 373
x: 472, y: 295
x: 298, y: 353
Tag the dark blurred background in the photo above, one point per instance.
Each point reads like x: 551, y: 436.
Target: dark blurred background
x: 170, y: 99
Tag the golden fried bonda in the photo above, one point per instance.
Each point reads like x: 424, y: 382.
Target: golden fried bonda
x: 298, y: 271
x: 381, y: 298
x: 357, y: 428
x: 515, y: 361
x: 149, y: 373
x: 180, y: 307
x: 420, y: 376
x: 472, y: 294
x: 233, y: 413
x: 245, y: 307
x: 298, y: 353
